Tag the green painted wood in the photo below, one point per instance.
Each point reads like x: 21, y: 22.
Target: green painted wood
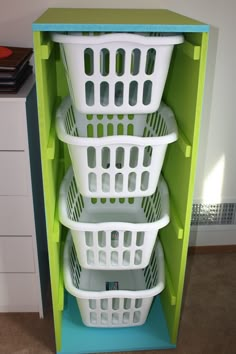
x: 184, y: 93
x: 184, y: 144
x: 115, y: 20
x: 46, y: 95
x: 191, y: 50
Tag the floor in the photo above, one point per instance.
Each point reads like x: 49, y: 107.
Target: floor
x: 208, y: 323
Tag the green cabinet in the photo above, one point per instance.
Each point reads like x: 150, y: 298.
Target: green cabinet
x: 183, y: 93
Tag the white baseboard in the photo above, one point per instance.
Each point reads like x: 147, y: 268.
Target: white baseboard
x: 212, y: 236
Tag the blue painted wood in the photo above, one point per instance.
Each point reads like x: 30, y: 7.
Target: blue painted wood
x: 77, y: 338
x: 76, y: 27
x: 116, y: 20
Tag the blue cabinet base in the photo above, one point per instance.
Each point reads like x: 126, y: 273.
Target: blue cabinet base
x: 78, y: 339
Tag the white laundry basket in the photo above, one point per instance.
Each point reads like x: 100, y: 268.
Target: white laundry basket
x: 116, y: 155
x: 113, y: 233
x: 117, y: 73
x: 113, y: 298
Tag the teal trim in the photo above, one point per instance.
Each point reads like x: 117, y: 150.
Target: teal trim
x: 54, y: 27
x: 77, y: 338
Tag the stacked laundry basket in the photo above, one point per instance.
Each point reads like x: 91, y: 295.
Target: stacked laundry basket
x: 113, y: 198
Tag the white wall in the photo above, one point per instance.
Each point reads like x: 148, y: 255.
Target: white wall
x: 215, y: 180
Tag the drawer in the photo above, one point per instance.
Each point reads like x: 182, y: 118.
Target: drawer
x: 16, y: 216
x: 13, y: 173
x: 16, y: 255
x: 18, y: 292
x: 13, y: 132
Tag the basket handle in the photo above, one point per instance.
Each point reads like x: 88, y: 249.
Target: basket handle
x: 79, y: 38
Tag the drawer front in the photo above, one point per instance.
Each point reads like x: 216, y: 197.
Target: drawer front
x: 16, y: 216
x: 18, y: 292
x: 16, y: 255
x: 13, y: 173
x: 12, y: 126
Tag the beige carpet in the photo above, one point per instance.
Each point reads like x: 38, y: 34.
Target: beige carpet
x: 208, y: 324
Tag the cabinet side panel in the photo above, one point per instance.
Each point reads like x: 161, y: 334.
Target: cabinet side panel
x: 45, y: 63
x: 183, y: 93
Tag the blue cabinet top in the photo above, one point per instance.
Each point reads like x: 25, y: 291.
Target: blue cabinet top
x: 116, y: 20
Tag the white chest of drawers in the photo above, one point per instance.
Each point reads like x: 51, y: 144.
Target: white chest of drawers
x: 23, y: 255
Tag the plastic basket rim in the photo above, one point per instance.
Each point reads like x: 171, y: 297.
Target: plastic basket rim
x: 171, y: 137
x: 167, y: 39
x: 106, y: 226
x: 84, y: 294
